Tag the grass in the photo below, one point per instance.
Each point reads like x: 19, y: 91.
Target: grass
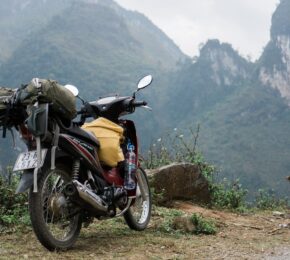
x: 266, y: 200
x: 176, y: 222
x: 164, y: 218
x: 110, y: 239
x: 202, y: 225
x: 224, y: 194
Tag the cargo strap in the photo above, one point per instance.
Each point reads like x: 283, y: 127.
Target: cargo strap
x: 55, y: 145
x: 6, y: 117
x: 39, y: 159
x: 13, y: 138
x: 36, y: 82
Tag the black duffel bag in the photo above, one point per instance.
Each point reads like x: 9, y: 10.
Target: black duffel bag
x: 62, y: 100
x: 5, y: 95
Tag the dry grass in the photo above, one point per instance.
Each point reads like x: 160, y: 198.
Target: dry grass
x: 239, y: 237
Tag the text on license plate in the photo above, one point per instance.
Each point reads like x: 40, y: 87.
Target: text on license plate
x: 28, y: 160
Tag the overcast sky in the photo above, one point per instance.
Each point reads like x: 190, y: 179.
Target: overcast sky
x: 243, y: 23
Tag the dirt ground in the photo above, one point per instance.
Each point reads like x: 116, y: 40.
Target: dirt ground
x: 250, y: 236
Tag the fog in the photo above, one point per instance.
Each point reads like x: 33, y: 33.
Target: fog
x: 243, y: 23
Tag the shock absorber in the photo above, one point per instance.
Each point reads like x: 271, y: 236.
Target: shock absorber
x: 76, y: 169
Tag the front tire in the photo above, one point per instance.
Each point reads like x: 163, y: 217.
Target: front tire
x: 54, y: 225
x: 138, y: 215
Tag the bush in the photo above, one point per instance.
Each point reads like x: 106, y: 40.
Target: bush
x: 202, y: 225
x: 176, y: 148
x: 177, y: 222
x: 168, y: 216
x: 13, y: 208
x: 228, y: 195
x: 267, y: 200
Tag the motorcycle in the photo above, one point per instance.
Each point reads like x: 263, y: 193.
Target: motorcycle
x: 68, y: 185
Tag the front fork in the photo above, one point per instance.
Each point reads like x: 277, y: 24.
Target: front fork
x: 39, y: 160
x: 39, y: 155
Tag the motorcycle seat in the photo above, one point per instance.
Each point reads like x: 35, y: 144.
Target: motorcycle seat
x: 84, y: 135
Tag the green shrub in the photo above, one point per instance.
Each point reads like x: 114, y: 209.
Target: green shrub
x: 175, y: 147
x: 168, y: 216
x: 177, y: 222
x: 13, y: 207
x: 267, y: 200
x: 202, y: 225
x: 157, y: 197
x: 228, y: 195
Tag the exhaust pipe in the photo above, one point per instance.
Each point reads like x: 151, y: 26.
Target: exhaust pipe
x: 76, y: 188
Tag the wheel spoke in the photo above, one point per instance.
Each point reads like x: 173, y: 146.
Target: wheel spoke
x: 138, y: 215
x: 55, y: 220
x: 55, y: 207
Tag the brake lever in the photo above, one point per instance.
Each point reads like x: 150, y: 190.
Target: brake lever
x: 147, y: 107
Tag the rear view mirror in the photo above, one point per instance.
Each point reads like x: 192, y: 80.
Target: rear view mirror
x: 74, y: 90
x: 144, y: 82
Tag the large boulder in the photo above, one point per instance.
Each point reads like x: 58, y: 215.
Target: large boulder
x: 179, y: 181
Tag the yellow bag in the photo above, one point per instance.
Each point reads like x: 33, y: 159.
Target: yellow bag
x: 110, y: 136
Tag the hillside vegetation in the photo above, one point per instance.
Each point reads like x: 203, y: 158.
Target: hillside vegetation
x: 242, y: 107
x: 97, y: 46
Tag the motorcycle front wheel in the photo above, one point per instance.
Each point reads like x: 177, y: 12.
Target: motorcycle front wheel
x: 138, y: 215
x: 52, y: 219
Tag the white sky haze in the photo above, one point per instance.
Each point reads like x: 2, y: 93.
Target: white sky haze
x: 243, y: 23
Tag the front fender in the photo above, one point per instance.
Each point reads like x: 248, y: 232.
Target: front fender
x: 26, y: 182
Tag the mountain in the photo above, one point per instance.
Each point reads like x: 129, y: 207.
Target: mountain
x: 242, y: 108
x: 96, y: 45
x: 274, y: 64
x: 20, y: 18
x: 218, y: 72
x: 91, y: 43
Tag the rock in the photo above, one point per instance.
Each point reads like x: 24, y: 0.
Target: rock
x: 278, y: 214
x: 284, y: 225
x: 181, y: 181
x: 184, y: 224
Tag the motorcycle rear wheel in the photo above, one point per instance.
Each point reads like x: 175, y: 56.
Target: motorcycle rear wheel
x: 138, y: 215
x: 49, y: 213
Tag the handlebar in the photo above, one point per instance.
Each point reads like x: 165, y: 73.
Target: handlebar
x: 80, y: 112
x: 85, y: 112
x: 138, y: 103
x: 128, y: 105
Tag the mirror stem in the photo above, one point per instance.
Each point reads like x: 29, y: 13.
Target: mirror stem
x: 81, y: 99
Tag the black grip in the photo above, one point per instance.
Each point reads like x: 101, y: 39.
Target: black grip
x: 80, y: 112
x: 139, y: 103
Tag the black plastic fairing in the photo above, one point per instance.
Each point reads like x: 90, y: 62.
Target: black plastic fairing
x: 82, y: 134
x: 111, y: 107
x: 80, y: 149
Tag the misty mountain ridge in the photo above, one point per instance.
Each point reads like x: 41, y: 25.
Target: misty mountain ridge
x: 242, y: 107
x: 274, y: 68
x: 95, y: 45
x: 226, y: 65
x: 24, y: 19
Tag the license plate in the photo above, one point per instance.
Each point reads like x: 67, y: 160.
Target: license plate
x: 28, y: 160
